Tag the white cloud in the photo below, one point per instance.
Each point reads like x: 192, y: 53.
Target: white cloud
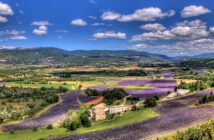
x: 212, y: 29
x: 7, y: 47
x: 183, y: 31
x: 92, y: 17
x: 145, y: 14
x: 110, y: 15
x: 153, y: 27
x: 166, y: 35
x: 192, y: 47
x: 79, y: 22
x: 5, y: 9
x: 98, y: 24
x: 109, y: 34
x: 40, y: 23
x: 42, y: 30
x: 11, y: 32
x: 3, y: 19
x: 194, y: 10
x: 18, y: 37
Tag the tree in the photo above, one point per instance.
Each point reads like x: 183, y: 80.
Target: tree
x: 73, y: 124
x: 85, y: 121
x: 150, y: 102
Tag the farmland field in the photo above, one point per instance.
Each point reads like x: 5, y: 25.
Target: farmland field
x: 106, y: 70
x: 128, y: 118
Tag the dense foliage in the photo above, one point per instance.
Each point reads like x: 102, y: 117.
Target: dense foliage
x: 19, y: 103
x: 113, y: 94
x: 202, y: 132
x: 77, y: 120
x: 207, y: 99
x: 197, y: 86
x: 102, y: 73
x: 151, y: 101
x: 197, y: 63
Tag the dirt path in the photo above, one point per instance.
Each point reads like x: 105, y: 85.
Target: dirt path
x: 174, y: 114
x: 54, y: 115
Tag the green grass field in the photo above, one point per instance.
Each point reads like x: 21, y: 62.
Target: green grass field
x: 54, y: 85
x: 127, y: 118
x: 136, y: 87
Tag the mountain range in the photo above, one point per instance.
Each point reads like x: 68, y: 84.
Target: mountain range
x: 56, y: 56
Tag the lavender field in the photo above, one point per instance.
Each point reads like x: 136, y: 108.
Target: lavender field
x: 55, y: 115
x: 174, y: 114
x: 156, y: 87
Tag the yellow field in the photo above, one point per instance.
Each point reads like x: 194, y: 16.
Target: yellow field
x: 185, y: 80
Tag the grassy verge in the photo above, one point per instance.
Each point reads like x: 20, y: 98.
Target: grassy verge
x: 126, y: 119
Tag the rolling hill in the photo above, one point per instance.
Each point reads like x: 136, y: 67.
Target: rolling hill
x: 55, y: 56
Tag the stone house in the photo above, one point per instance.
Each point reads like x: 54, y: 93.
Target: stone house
x: 98, y: 112
x: 121, y: 108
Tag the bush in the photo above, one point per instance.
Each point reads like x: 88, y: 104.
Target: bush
x: 35, y: 129
x: 72, y: 124
x: 62, y: 89
x: 207, y: 99
x: 50, y: 126
x: 150, y: 102
x: 12, y: 132
x: 85, y: 121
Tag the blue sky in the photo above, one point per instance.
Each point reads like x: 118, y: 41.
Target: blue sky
x: 171, y: 27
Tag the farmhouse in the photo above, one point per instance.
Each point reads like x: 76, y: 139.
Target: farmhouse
x: 98, y: 112
x: 117, y: 109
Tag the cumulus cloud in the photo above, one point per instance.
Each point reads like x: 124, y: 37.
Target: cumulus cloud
x: 78, y: 22
x: 145, y: 14
x: 166, y: 35
x: 5, y: 10
x: 40, y: 23
x: 203, y: 45
x: 212, y: 29
x: 194, y: 10
x: 42, y: 30
x: 3, y: 19
x: 153, y: 27
x: 110, y: 15
x: 18, y: 37
x: 183, y: 31
x: 109, y: 34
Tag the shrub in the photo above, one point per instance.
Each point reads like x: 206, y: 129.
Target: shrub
x: 72, y: 124
x: 35, y: 129
x: 50, y: 126
x: 150, y: 102
x: 85, y: 121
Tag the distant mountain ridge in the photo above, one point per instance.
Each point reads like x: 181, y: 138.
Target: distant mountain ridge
x: 199, y: 56
x: 56, y: 56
